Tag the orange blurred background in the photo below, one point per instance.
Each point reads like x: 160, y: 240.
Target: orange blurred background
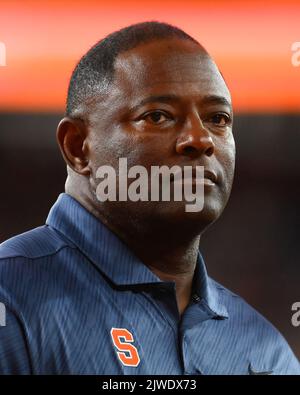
x: 250, y: 40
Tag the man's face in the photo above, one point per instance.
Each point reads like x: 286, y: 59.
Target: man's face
x: 168, y: 105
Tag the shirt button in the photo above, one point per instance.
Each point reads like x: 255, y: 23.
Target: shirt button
x: 196, y: 298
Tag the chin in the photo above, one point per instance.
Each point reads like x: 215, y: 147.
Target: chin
x: 175, y: 214
x: 164, y: 217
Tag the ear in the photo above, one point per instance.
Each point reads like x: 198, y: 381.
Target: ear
x: 71, y: 137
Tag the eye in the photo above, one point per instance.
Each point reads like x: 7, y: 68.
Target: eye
x: 156, y: 117
x: 220, y: 119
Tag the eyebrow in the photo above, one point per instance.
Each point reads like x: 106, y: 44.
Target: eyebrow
x: 152, y: 99
x: 210, y: 99
x: 215, y: 99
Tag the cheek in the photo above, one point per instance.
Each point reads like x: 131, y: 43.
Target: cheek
x: 229, y: 155
x: 138, y: 149
x: 145, y: 149
x: 226, y: 157
x: 107, y: 149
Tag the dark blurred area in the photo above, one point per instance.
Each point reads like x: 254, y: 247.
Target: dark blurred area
x: 253, y: 249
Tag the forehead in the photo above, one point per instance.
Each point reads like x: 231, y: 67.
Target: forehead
x: 167, y: 66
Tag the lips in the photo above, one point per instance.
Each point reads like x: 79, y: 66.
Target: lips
x: 208, y: 175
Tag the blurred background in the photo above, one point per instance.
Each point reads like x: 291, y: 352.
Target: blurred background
x: 253, y: 249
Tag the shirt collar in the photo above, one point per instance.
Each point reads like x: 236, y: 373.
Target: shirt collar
x: 113, y: 257
x: 207, y: 290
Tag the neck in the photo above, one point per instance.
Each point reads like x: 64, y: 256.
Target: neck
x: 170, y: 253
x: 177, y: 264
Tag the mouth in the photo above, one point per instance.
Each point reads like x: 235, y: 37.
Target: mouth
x: 210, y: 178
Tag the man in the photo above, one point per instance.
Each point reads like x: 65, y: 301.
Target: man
x: 119, y: 286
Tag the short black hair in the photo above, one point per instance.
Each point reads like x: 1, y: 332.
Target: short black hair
x: 95, y: 69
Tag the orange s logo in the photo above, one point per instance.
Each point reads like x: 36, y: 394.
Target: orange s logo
x: 127, y: 353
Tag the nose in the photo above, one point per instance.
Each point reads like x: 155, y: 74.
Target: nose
x: 195, y: 140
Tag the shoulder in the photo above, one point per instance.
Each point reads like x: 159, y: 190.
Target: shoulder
x: 28, y: 261
x: 36, y: 243
x: 269, y: 349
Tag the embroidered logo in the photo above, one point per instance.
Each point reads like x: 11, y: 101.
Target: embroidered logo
x: 127, y: 352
